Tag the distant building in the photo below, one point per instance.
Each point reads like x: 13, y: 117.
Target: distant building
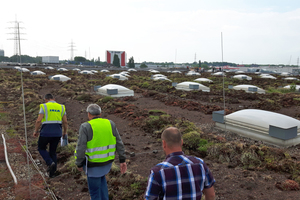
x: 1, y: 52
x: 121, y: 54
x: 50, y: 59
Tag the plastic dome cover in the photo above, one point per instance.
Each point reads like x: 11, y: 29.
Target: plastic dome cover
x: 291, y: 79
x: 261, y: 119
x: 192, y: 73
x: 94, y: 71
x: 161, y: 79
x: 188, y: 86
x: 104, y: 70
x: 24, y: 70
x: 242, y: 77
x: 179, y: 72
x: 289, y: 87
x: 132, y: 70
x: 17, y: 67
x: 118, y: 76
x: 86, y: 72
x: 115, y: 91
x: 154, y: 71
x: 124, y: 74
x: 246, y: 88
x: 285, y: 74
x: 49, y: 67
x: 76, y: 69
x: 158, y: 75
x: 37, y: 73
x: 62, y: 69
x: 218, y: 74
x: 203, y: 80
x: 268, y: 76
x: 60, y: 77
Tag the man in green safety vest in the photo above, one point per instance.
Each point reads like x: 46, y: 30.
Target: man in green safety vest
x: 98, y: 141
x: 53, y: 118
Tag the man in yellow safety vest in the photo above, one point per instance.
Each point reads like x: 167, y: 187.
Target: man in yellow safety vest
x: 53, y: 118
x: 98, y: 141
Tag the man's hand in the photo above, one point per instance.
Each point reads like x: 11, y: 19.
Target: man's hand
x: 35, y: 134
x: 123, y: 167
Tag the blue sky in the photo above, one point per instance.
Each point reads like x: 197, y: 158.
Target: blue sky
x: 261, y: 32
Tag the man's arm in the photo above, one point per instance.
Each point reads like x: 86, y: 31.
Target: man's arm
x: 37, y: 125
x: 81, y: 146
x: 65, y: 125
x: 209, y: 193
x: 119, y: 148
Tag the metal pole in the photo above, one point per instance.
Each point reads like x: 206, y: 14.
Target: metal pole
x: 24, y: 112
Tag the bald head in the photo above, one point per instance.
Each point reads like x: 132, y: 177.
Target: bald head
x: 172, y: 137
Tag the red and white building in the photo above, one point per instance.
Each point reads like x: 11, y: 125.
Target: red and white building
x: 121, y: 54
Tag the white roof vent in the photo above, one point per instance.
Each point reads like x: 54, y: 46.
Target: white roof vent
x: 114, y: 90
x: 249, y: 88
x: 274, y: 128
x: 188, y: 86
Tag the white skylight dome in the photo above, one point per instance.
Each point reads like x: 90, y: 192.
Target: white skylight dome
x: 193, y: 73
x: 114, y: 90
x: 219, y: 74
x: 118, y: 76
x: 17, y: 67
x: 203, y: 80
x: 24, y: 70
x: 104, y: 70
x: 188, y: 86
x: 264, y: 125
x: 289, y: 87
x: 76, y: 69
x: 85, y: 72
x: 158, y: 75
x: 132, y: 70
x: 94, y: 71
x: 37, y: 73
x: 161, y: 79
x: 242, y: 77
x: 62, y: 69
x: 284, y: 74
x: 291, y: 79
x: 49, y: 67
x: 249, y: 88
x: 60, y: 77
x: 124, y: 74
x: 176, y: 72
x: 153, y: 71
x: 267, y: 76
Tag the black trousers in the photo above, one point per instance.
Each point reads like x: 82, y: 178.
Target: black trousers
x: 50, y: 156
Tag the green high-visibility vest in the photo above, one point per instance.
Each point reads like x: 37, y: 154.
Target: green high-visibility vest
x: 102, y: 147
x: 53, y: 113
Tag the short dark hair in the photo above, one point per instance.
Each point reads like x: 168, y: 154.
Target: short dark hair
x: 172, y: 136
x: 49, y: 96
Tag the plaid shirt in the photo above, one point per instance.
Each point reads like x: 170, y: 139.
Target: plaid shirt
x: 179, y: 177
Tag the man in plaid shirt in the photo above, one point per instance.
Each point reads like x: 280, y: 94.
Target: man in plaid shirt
x: 179, y: 176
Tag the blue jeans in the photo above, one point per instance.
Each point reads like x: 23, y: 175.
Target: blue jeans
x: 98, y: 188
x: 50, y: 156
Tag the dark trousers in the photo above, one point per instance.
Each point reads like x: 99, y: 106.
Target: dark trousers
x: 50, y: 156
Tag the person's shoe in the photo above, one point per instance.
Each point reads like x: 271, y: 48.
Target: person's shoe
x: 51, y: 169
x: 55, y: 174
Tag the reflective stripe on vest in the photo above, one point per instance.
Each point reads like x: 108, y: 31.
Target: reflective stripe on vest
x: 53, y: 113
x: 102, y: 147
